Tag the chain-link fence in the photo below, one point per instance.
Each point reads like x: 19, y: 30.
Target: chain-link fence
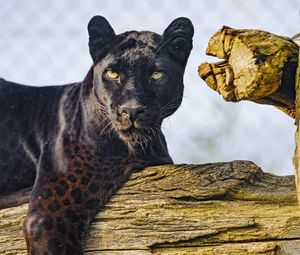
x: 45, y: 42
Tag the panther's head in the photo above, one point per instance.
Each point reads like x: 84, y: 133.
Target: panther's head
x: 138, y: 76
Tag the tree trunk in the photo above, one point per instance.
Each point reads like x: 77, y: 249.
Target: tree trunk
x: 260, y: 67
x: 221, y: 208
x: 296, y: 158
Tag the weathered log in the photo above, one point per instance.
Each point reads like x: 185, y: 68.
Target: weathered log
x: 259, y: 66
x: 221, y: 208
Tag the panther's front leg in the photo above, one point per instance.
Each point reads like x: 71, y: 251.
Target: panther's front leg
x: 64, y: 203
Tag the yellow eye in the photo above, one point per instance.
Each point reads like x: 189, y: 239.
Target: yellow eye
x: 157, y: 75
x: 112, y: 74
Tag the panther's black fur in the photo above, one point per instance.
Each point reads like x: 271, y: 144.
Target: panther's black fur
x: 79, y: 143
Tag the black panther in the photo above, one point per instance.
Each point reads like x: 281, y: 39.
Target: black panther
x: 76, y: 144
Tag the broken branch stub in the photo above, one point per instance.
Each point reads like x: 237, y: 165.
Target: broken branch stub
x: 257, y: 66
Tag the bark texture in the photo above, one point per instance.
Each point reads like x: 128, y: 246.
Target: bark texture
x: 221, y: 208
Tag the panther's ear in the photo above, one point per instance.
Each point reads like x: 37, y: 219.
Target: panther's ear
x: 178, y: 37
x: 101, y: 36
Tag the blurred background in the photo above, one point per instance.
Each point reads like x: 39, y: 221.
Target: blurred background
x: 46, y: 43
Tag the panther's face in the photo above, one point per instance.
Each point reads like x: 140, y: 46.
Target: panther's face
x: 138, y: 76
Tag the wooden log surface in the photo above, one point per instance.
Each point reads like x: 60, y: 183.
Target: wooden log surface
x: 220, y: 208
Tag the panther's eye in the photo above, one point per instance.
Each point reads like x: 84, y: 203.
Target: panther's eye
x: 157, y: 75
x: 111, y: 74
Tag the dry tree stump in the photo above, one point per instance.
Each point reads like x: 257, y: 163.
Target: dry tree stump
x: 260, y: 67
x: 220, y: 208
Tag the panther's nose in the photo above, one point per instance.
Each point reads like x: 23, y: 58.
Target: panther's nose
x: 132, y: 113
